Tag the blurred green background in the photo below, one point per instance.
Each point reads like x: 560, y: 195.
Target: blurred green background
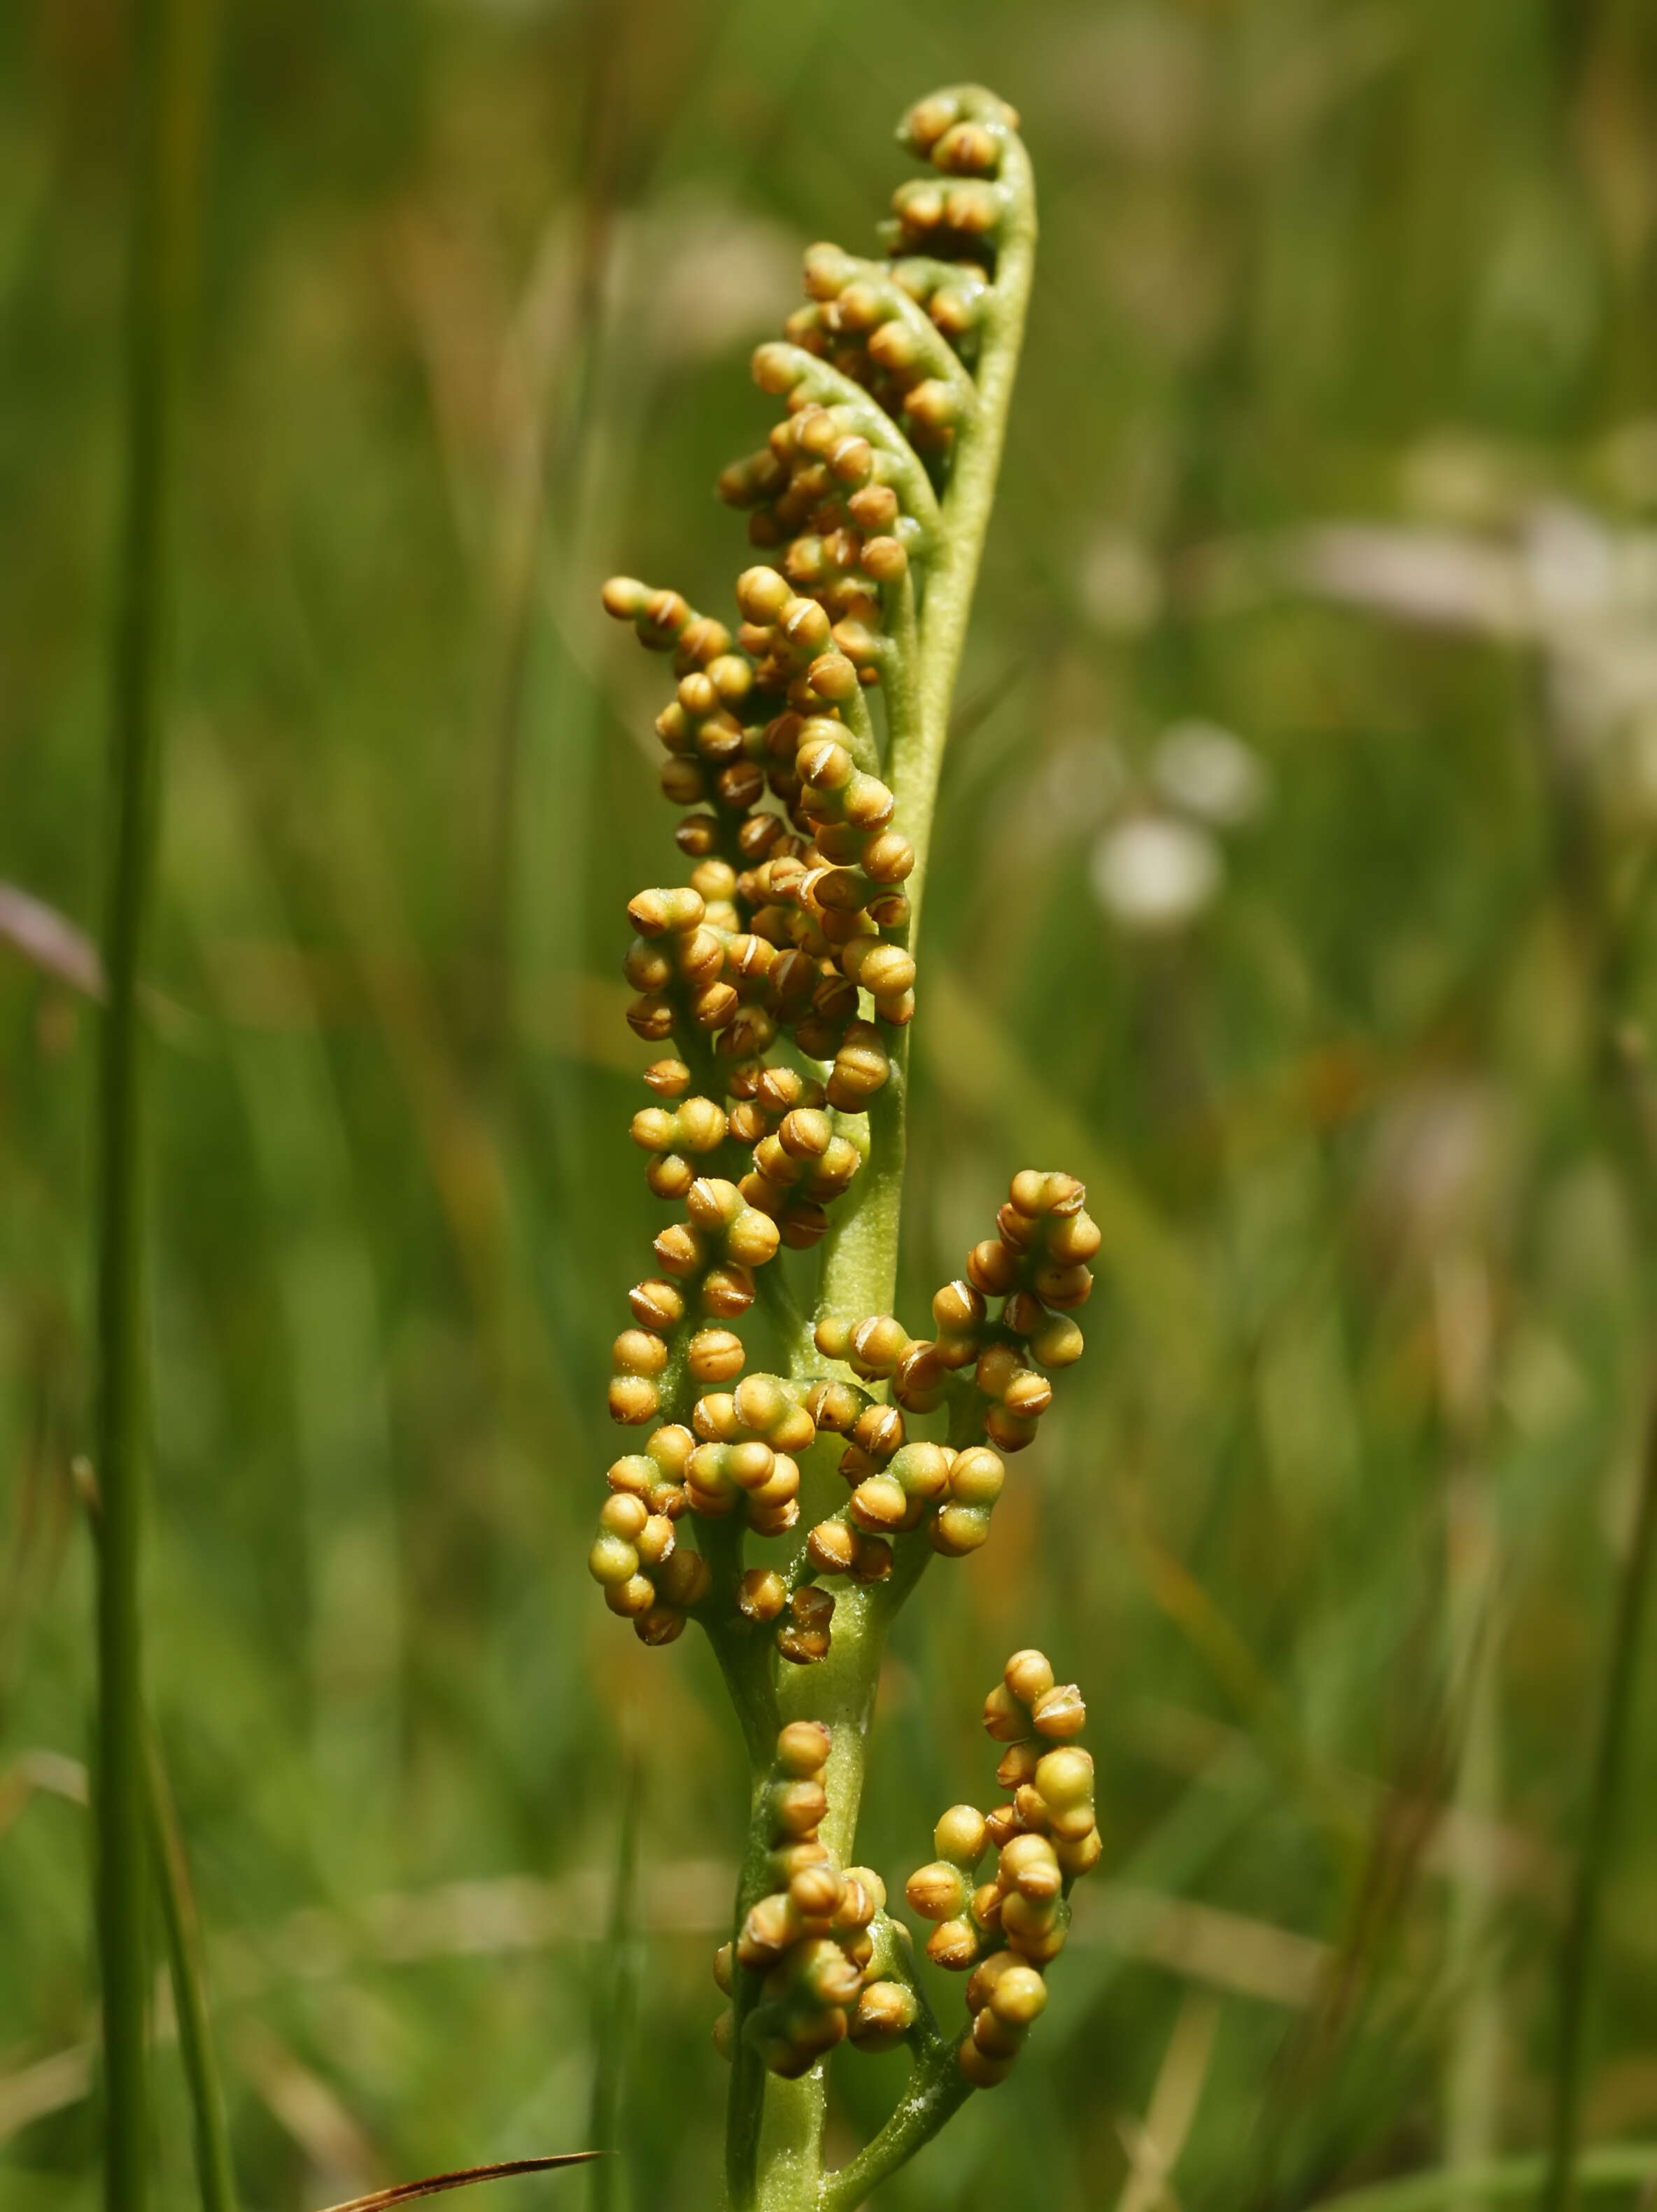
x: 1288, y: 887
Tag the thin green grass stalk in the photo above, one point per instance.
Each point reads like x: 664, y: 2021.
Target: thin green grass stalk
x: 618, y: 1999
x: 215, y: 2175
x: 1605, y: 916
x: 186, y: 1964
x: 1473, y: 2075
x: 1473, y: 1627
x: 1579, y: 1951
x: 167, y: 104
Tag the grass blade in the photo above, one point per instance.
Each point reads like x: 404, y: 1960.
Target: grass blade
x: 215, y: 2175
x: 186, y: 1964
x: 614, y: 2026
x: 1577, y: 1952
x: 167, y: 104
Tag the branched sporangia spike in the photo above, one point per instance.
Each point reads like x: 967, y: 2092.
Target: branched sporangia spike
x: 777, y: 980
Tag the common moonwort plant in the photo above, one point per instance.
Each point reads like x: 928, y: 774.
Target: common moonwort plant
x: 782, y: 975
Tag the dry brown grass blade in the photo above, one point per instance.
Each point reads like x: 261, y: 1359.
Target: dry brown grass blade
x: 461, y: 2178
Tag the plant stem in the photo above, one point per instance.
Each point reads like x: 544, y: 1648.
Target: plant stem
x: 166, y: 108
x: 859, y: 1268
x: 1610, y: 1760
x: 917, y: 754
x: 619, y: 1996
x: 1606, y: 931
x: 859, y: 1272
x: 934, y: 2092
x: 783, y: 2119
x: 185, y: 1963
x: 1462, y: 1306
x: 214, y: 2176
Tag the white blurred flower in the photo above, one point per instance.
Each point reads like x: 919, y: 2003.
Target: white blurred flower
x: 1154, y: 876
x: 1559, y: 579
x: 1441, y: 579
x: 1121, y: 591
x: 1569, y: 559
x: 1079, y: 783
x: 1207, y: 771
x: 710, y: 276
x: 1443, y: 1152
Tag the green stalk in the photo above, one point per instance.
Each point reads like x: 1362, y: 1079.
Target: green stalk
x: 1473, y: 1608
x: 186, y: 1966
x: 916, y: 751
x: 1473, y: 2076
x: 167, y: 104
x: 214, y: 2176
x: 619, y: 1997
x: 1605, y: 920
x: 1577, y: 1955
x: 935, y: 2092
x: 785, y: 2119
x: 859, y: 1273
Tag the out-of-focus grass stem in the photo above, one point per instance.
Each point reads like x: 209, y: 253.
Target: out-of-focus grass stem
x: 186, y: 1966
x: 618, y: 1995
x: 1608, y: 934
x: 213, y: 2174
x: 1576, y: 1959
x: 1462, y: 1309
x: 166, y: 103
